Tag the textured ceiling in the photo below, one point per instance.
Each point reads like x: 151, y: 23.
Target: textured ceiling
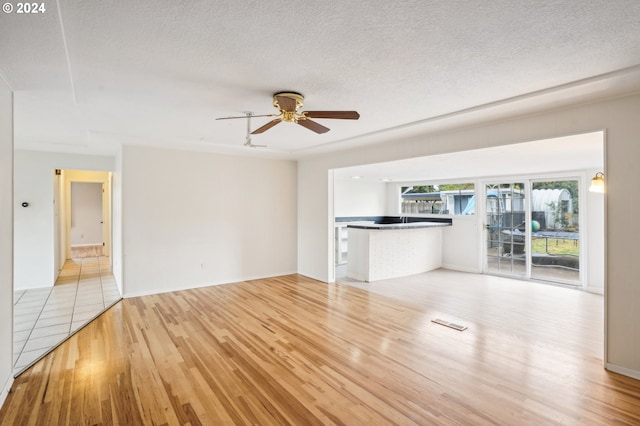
x: 90, y: 74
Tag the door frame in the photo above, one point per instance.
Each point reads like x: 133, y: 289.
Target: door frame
x: 481, y: 210
x: 88, y: 176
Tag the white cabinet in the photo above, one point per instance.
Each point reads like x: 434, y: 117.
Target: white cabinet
x: 342, y: 240
x: 341, y: 244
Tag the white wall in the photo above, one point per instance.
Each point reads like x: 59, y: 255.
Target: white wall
x: 359, y: 198
x: 86, y: 214
x: 460, y: 245
x: 116, y: 222
x: 34, y: 253
x: 314, y: 209
x: 595, y: 233
x: 617, y: 116
x: 6, y: 239
x: 192, y: 219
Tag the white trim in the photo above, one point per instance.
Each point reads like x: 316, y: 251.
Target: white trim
x: 605, y: 286
x: 87, y: 245
x: 594, y: 289
x: 201, y: 285
x: 528, y: 207
x: 583, y: 223
x: 6, y: 390
x: 107, y: 210
x: 462, y: 268
x: 331, y: 275
x: 634, y: 374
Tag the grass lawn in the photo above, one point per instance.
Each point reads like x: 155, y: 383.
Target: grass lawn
x: 555, y: 246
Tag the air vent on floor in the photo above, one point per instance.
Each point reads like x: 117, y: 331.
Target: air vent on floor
x: 450, y: 324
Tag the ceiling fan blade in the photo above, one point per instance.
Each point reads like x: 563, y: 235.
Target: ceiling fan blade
x: 286, y: 104
x: 313, y: 126
x: 266, y: 126
x: 344, y: 115
x: 245, y: 116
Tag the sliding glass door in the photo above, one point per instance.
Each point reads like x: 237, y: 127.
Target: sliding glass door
x: 532, y: 230
x: 555, y: 226
x: 505, y: 232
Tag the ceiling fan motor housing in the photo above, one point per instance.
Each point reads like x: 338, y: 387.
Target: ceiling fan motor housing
x: 297, y: 97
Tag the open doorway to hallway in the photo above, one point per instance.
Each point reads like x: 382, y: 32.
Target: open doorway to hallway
x: 46, y: 313
x: 82, y: 201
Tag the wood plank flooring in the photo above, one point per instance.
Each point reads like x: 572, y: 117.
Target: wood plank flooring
x: 291, y: 350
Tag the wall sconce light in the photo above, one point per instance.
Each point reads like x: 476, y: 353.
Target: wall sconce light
x: 597, y: 183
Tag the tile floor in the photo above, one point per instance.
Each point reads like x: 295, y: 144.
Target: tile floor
x: 42, y: 318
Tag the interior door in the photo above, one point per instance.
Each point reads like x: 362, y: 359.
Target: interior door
x: 506, y: 236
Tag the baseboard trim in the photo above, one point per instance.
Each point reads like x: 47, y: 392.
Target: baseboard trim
x: 596, y: 290
x: 128, y: 295
x: 6, y: 390
x: 462, y: 269
x: 634, y: 374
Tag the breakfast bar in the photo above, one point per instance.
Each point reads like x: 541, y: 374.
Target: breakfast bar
x: 380, y: 251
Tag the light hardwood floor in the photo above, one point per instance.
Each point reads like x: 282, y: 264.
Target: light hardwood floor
x: 87, y: 251
x: 44, y: 317
x: 291, y: 350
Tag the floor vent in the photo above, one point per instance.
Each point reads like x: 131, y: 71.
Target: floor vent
x: 450, y: 324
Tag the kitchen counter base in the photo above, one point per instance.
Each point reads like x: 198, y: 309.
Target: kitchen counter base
x: 378, y: 254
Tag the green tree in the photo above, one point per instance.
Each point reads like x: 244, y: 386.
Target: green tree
x: 456, y: 186
x: 420, y: 189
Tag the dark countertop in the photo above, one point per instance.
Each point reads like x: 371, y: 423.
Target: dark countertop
x: 395, y: 226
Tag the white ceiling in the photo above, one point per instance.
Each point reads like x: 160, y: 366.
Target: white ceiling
x: 89, y: 74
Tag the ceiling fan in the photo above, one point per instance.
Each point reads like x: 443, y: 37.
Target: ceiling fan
x: 288, y: 104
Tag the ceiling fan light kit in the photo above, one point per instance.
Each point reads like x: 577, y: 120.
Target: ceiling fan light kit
x: 289, y: 104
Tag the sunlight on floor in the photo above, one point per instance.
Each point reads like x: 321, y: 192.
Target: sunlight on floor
x: 44, y: 317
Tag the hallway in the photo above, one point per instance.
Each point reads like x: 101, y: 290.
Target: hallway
x: 44, y: 317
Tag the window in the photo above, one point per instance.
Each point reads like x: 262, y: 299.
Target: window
x: 445, y: 199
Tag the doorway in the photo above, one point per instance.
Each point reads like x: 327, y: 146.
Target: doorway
x: 85, y: 287
x: 505, y: 232
x: 555, y: 231
x: 83, y: 215
x: 87, y: 221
